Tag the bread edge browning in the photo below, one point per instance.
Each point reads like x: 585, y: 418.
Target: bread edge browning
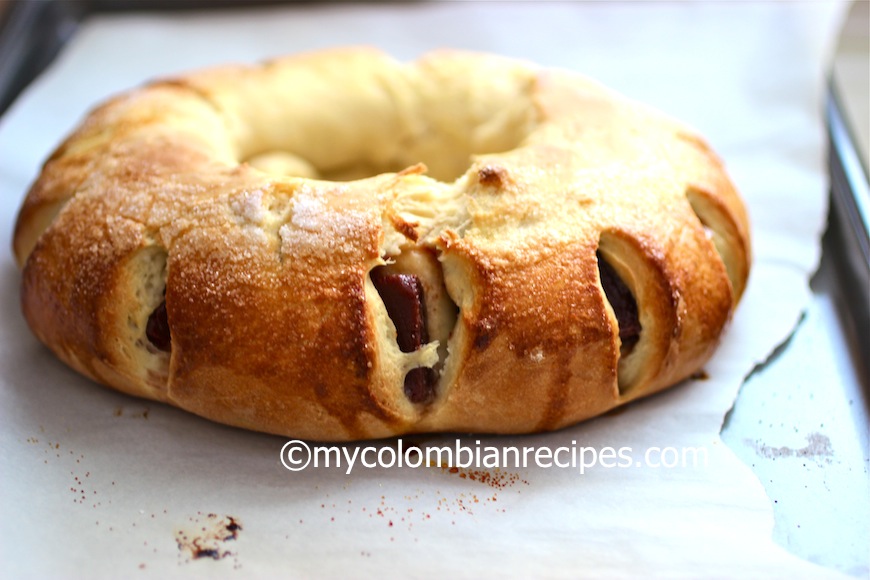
x: 519, y: 358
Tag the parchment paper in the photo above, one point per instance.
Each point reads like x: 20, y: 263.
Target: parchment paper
x: 98, y: 484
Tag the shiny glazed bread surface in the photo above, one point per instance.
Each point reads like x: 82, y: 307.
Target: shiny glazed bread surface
x: 253, y: 203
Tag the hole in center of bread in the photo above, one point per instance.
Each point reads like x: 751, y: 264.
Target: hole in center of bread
x: 446, y: 166
x: 444, y: 135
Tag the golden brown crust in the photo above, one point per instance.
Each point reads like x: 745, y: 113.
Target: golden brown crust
x: 275, y: 323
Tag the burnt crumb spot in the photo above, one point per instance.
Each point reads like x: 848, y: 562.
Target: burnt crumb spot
x: 492, y: 176
x: 205, y: 537
x: 701, y: 375
x: 234, y: 528
x: 207, y: 553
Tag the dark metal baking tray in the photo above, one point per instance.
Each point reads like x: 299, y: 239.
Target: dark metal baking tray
x: 32, y: 32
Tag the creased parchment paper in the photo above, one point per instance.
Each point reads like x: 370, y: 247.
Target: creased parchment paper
x: 98, y: 484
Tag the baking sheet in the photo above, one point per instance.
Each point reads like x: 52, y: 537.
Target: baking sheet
x: 801, y: 423
x: 107, y: 485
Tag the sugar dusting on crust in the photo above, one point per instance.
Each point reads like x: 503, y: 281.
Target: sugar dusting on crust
x: 307, y: 212
x: 318, y: 229
x: 248, y: 211
x: 249, y: 206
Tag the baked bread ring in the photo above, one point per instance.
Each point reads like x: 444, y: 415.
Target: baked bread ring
x: 339, y: 246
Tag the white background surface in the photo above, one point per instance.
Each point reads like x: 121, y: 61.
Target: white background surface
x: 101, y: 483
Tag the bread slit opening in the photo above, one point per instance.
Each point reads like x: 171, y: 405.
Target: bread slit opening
x: 722, y: 231
x: 423, y: 315
x: 623, y: 304
x: 402, y: 295
x: 147, y: 324
x: 157, y: 327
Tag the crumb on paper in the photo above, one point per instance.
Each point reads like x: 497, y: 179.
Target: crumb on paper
x: 206, y: 536
x: 141, y: 414
x: 818, y: 446
x: 497, y: 479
